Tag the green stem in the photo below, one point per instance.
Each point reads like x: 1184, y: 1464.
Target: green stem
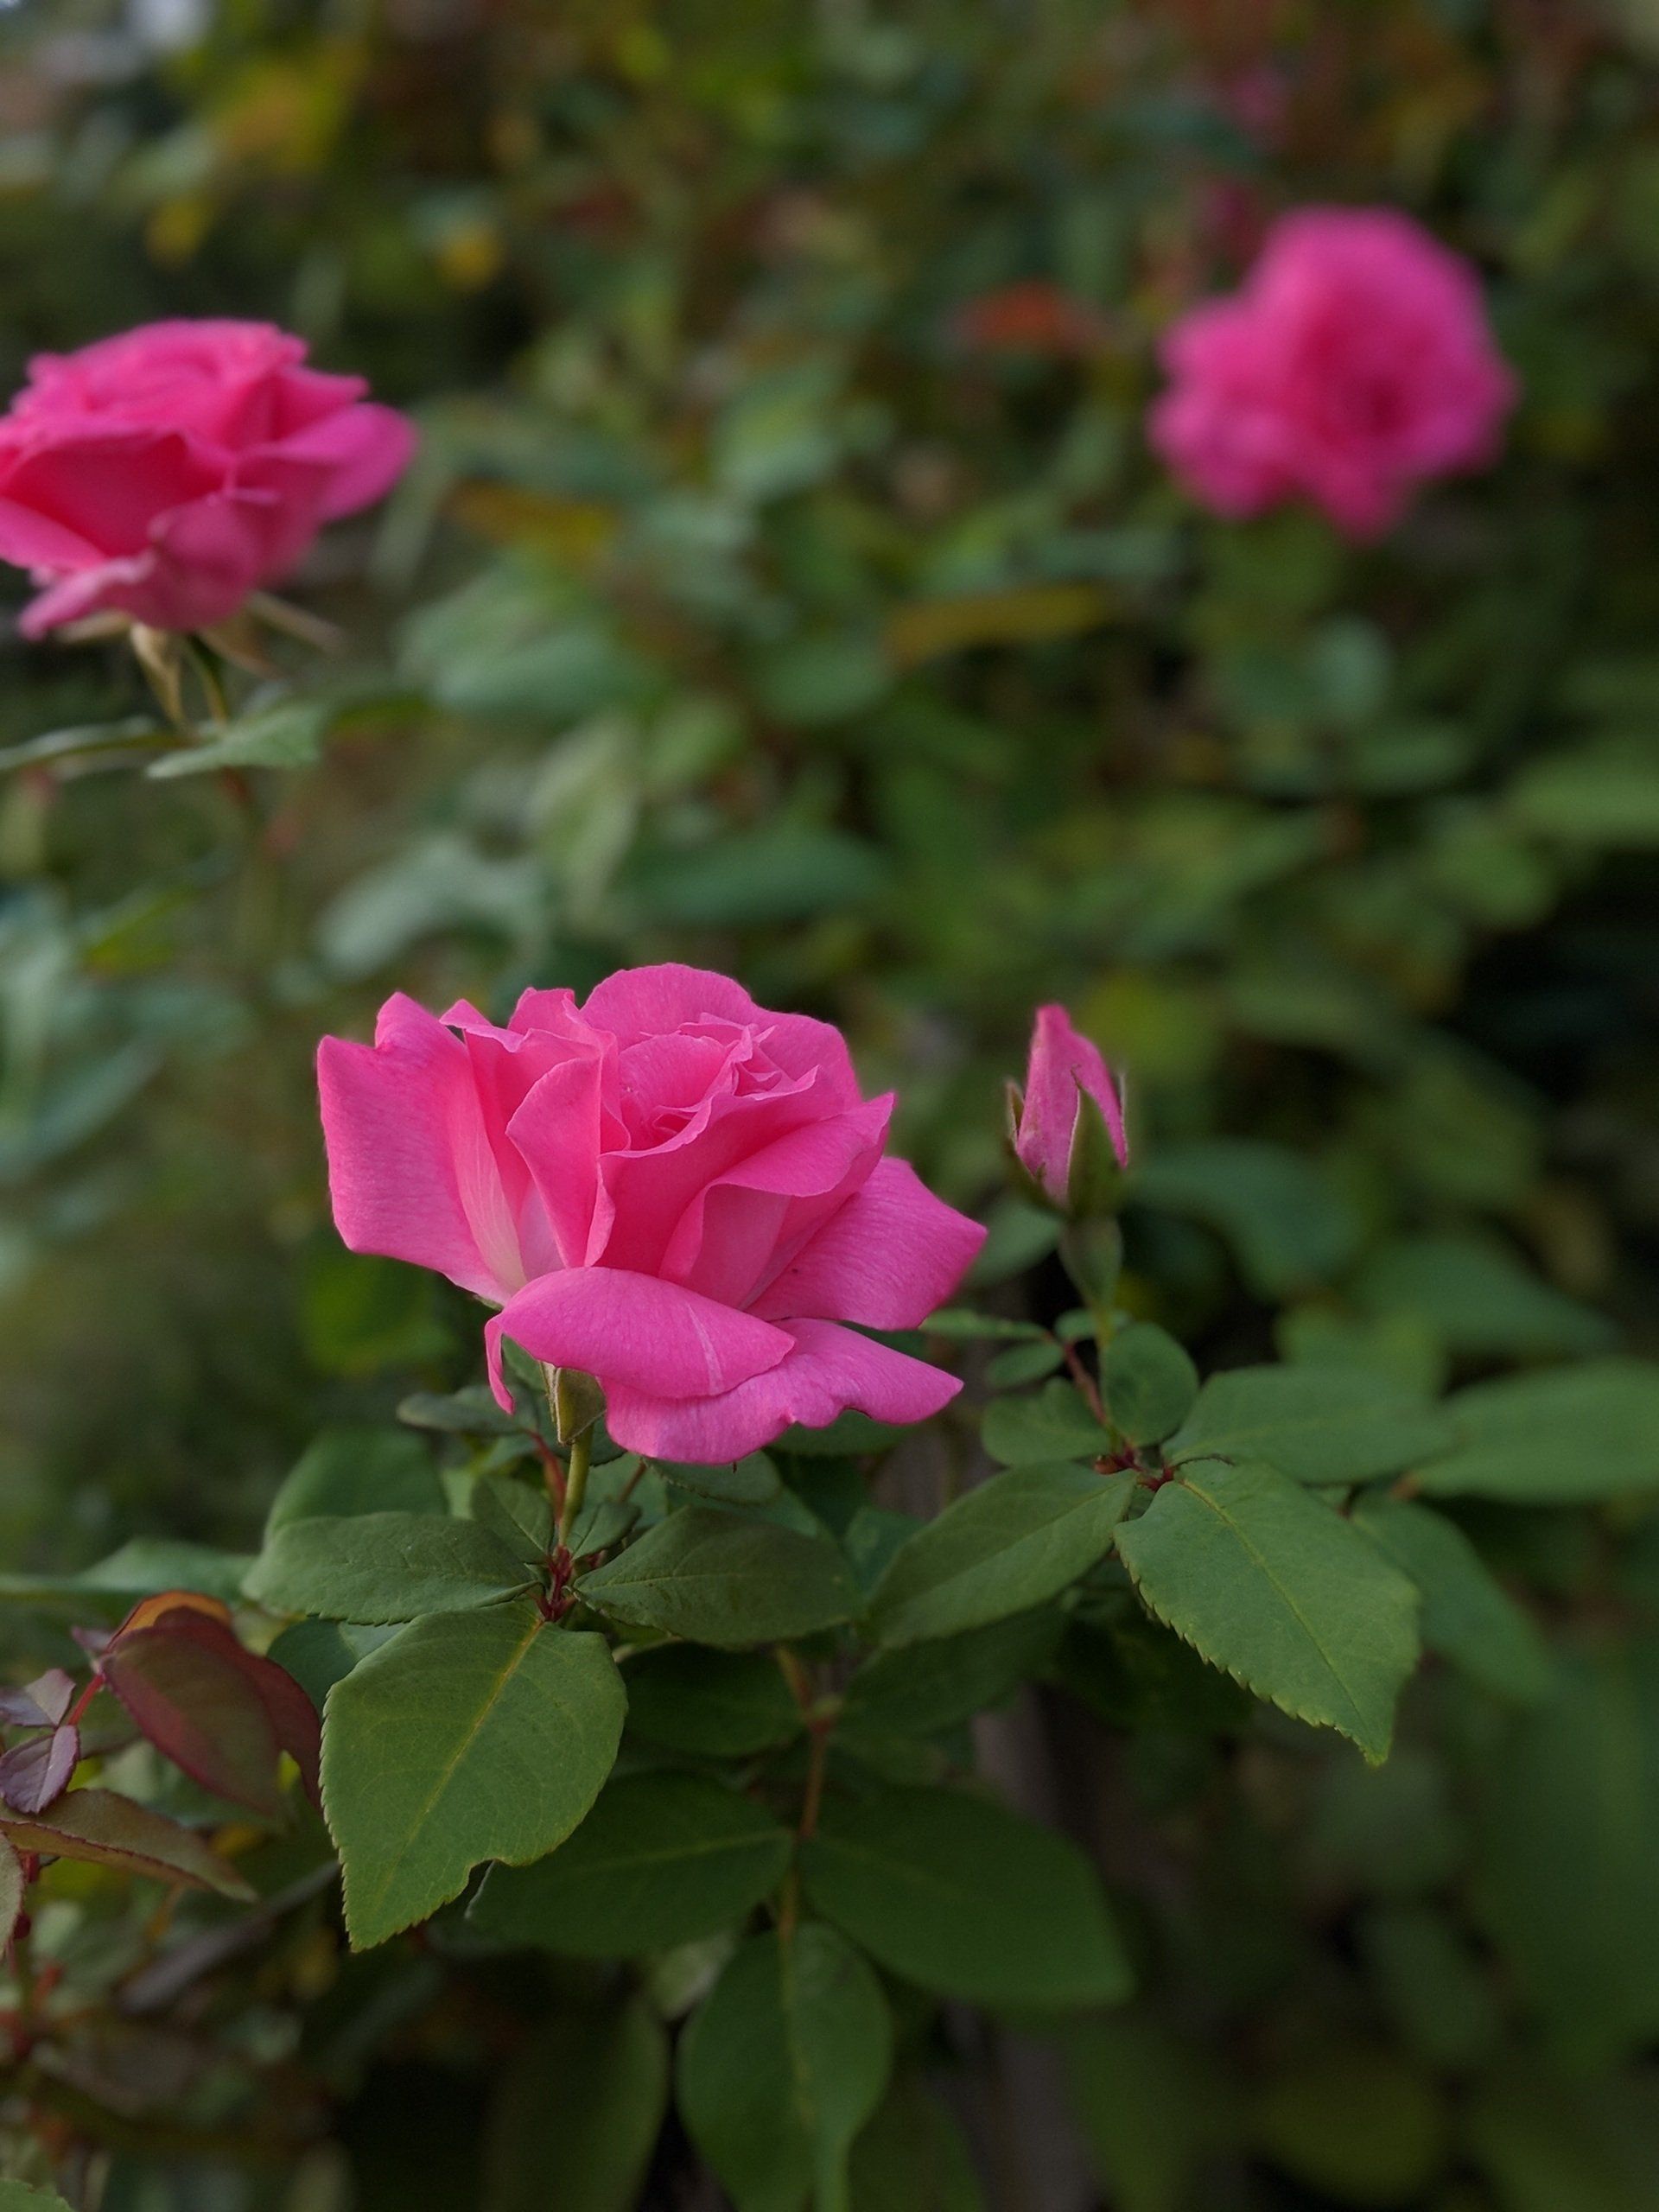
x: 575, y: 1481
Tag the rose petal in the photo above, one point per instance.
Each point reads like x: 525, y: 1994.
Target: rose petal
x: 887, y: 1257
x: 410, y: 1170
x: 830, y: 1371
x: 636, y: 1332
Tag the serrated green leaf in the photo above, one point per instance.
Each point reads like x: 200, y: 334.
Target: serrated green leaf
x: 467, y: 1736
x: 1011, y: 1544
x: 662, y: 1859
x: 1148, y: 1381
x: 1316, y: 1423
x: 718, y: 1704
x: 1564, y: 1438
x: 781, y: 2065
x: 953, y: 1893
x: 1468, y: 1616
x: 753, y: 1481
x: 143, y: 1568
x: 1264, y: 1580
x: 716, y: 1578
x: 1052, y: 1424
x: 383, y: 1567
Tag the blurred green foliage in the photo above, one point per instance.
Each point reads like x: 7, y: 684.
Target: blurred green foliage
x: 785, y: 586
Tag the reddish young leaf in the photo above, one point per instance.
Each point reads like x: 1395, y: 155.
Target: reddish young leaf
x: 182, y: 1684
x: 32, y: 1774
x: 39, y: 1704
x: 112, y: 1831
x: 182, y: 1665
x: 148, y: 1610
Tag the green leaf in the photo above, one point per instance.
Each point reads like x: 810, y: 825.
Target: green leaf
x: 319, y: 1653
x: 517, y: 1514
x: 1023, y: 1364
x: 662, y: 1859
x: 963, y: 1324
x: 471, y: 1412
x: 1605, y: 794
x: 1288, y: 1226
x: 1054, y: 1424
x: 753, y: 1481
x: 1314, y: 1423
x: 953, y: 1892
x: 348, y: 1470
x: 781, y: 2065
x: 1266, y: 1581
x: 927, y: 1688
x: 718, y: 1704
x: 143, y: 1568
x: 1148, y: 1381
x: 18, y: 2196
x: 110, y: 1830
x: 1015, y: 1541
x: 713, y: 1578
x: 1569, y: 1810
x: 383, y: 1567
x: 1565, y: 1438
x: 577, y: 2112
x: 467, y: 1736
x: 1468, y: 1616
x: 911, y: 2156
x: 1479, y: 1299
x: 1020, y: 1235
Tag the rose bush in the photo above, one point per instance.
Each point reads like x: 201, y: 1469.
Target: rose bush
x: 667, y: 1187
x: 1355, y: 364
x: 169, y: 473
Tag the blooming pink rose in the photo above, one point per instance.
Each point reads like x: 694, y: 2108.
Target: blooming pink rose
x: 1355, y: 363
x: 1066, y: 1067
x: 172, y: 471
x: 667, y: 1187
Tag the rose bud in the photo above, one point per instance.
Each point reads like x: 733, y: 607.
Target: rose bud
x: 1067, y: 1129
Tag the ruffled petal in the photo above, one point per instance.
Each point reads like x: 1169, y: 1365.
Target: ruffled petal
x: 640, y: 1002
x: 887, y: 1257
x: 739, y: 1229
x: 411, y: 1169
x: 635, y: 1332
x: 830, y: 1371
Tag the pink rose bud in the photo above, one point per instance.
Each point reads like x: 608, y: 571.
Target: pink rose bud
x: 1355, y: 364
x: 170, y: 472
x: 1069, y: 1091
x: 667, y: 1188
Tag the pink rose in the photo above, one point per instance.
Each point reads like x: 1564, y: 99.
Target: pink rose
x: 1065, y: 1069
x: 1355, y: 363
x: 172, y: 471
x: 668, y: 1188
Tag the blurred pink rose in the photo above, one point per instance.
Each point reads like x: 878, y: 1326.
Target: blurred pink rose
x: 1355, y: 363
x: 1066, y: 1067
x: 172, y: 471
x: 667, y: 1187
